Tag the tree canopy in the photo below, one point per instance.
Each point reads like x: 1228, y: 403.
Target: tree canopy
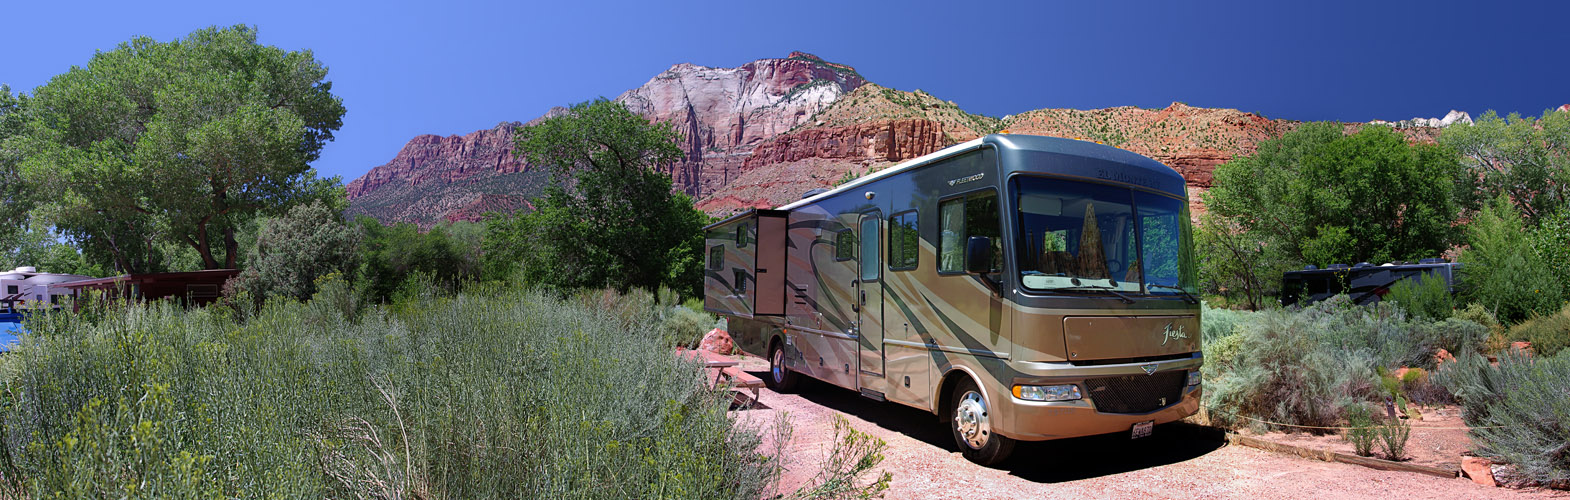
x: 1328, y: 197
x: 608, y: 218
x: 1526, y: 159
x: 181, y: 141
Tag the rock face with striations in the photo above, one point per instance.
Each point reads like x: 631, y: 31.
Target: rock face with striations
x: 434, y: 179
x: 761, y: 134
x: 722, y: 113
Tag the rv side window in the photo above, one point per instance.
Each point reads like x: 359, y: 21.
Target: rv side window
x: 716, y: 257
x: 741, y: 281
x: 904, y: 241
x: 844, y: 245
x: 975, y: 214
x: 741, y: 236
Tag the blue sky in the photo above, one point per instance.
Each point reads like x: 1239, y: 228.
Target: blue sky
x: 407, y: 68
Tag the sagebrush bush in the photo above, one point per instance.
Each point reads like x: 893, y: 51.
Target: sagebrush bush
x: 1548, y: 334
x: 1476, y: 313
x: 1220, y: 322
x: 1519, y: 411
x: 1304, y: 367
x: 478, y: 395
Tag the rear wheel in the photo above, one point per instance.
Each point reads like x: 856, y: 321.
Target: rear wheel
x: 781, y: 379
x: 970, y: 419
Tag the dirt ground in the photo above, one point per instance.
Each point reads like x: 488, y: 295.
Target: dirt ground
x: 1179, y: 461
x: 1437, y: 440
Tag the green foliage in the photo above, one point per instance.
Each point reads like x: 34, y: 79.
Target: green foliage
x: 494, y: 393
x: 1392, y: 439
x: 1318, y: 196
x: 1362, y: 433
x: 1517, y: 410
x: 1502, y: 272
x: 291, y: 252
x: 1548, y: 334
x: 40, y: 247
x: 1426, y: 297
x: 446, y: 256
x: 1550, y: 239
x: 1306, y: 366
x: 609, y: 218
x: 15, y: 197
x: 1525, y: 159
x: 1240, y: 265
x: 179, y: 142
x: 854, y: 454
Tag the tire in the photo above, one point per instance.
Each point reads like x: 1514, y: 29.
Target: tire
x: 781, y: 379
x: 969, y: 419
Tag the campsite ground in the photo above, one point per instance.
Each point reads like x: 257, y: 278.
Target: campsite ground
x: 1179, y: 461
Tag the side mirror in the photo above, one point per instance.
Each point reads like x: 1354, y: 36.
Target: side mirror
x: 978, y: 255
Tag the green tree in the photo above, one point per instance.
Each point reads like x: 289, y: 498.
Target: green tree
x: 14, y: 199
x: 1319, y: 196
x: 179, y: 142
x: 609, y: 218
x: 292, y: 251
x: 1502, y: 272
x: 446, y: 254
x: 1526, y: 159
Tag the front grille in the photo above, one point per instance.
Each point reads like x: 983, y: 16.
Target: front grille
x: 1137, y: 393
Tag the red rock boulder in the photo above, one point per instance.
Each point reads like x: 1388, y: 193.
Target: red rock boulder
x: 717, y: 341
x: 1479, y: 470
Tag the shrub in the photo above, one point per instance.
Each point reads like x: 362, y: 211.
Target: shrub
x: 1476, y: 313
x: 1517, y: 410
x: 1304, y: 367
x: 1548, y: 334
x: 855, y: 453
x: 1216, y: 323
x: 1502, y: 271
x: 1392, y: 439
x: 1427, y: 297
x: 484, y: 395
x: 1362, y: 433
x: 1287, y: 371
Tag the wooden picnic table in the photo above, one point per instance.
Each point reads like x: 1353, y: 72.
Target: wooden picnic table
x: 725, y: 368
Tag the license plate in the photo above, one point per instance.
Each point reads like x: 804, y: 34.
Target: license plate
x: 1143, y: 429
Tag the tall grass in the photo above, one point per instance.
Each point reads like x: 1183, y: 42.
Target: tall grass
x: 489, y: 393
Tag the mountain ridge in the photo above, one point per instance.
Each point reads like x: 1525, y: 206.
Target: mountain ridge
x: 760, y: 134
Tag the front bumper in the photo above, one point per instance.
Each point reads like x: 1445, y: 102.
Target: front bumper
x: 1039, y: 421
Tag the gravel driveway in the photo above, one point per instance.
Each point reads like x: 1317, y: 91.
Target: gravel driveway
x: 1179, y: 461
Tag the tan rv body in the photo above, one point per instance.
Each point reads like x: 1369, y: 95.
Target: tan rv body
x: 871, y: 321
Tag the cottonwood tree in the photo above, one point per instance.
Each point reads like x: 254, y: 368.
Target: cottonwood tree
x: 1526, y: 159
x: 608, y: 218
x: 182, y: 141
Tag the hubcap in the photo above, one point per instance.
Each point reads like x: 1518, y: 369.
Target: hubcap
x: 970, y: 419
x: 776, y: 366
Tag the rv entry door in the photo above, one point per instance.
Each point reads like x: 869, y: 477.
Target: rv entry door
x: 869, y: 296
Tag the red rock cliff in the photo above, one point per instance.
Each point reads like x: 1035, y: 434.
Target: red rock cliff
x: 429, y: 158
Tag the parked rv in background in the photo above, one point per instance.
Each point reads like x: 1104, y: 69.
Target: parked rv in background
x: 1018, y: 287
x: 1365, y: 283
x: 25, y: 288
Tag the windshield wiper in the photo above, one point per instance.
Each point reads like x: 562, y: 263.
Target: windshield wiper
x: 1187, y: 297
x: 1104, y: 288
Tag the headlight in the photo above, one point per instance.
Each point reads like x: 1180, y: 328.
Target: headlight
x: 1068, y: 392
x: 1193, y: 378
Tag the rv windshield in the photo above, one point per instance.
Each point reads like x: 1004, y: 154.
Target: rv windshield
x: 1079, y: 236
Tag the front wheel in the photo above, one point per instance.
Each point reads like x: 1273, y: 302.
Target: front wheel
x: 781, y: 378
x: 970, y: 419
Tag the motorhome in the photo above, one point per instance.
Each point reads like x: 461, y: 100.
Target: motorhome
x: 1020, y: 288
x: 24, y: 288
x: 1364, y: 283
